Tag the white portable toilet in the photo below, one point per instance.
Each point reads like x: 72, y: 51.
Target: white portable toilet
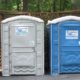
x: 22, y: 39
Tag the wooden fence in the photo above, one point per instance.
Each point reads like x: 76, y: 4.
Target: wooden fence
x: 44, y: 15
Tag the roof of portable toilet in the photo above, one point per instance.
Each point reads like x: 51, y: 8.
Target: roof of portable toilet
x: 22, y: 17
x: 65, y: 18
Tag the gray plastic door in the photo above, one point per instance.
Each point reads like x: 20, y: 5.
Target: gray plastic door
x: 22, y: 49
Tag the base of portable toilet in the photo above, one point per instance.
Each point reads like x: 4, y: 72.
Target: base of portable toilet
x: 22, y: 46
x: 65, y: 45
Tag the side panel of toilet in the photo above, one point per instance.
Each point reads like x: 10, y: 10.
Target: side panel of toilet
x: 53, y: 35
x: 5, y: 49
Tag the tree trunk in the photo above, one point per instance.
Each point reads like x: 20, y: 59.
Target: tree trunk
x: 62, y: 5
x: 38, y: 5
x: 25, y: 5
x: 6, y: 4
x: 54, y: 5
x: 17, y: 5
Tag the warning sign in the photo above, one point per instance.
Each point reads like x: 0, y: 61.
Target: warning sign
x: 71, y: 34
x: 21, y: 31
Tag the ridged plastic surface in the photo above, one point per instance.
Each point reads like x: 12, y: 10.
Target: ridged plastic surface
x: 22, y: 47
x: 65, y: 47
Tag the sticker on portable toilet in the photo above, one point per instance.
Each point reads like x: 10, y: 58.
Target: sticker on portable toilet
x: 79, y: 43
x: 71, y: 34
x: 21, y: 31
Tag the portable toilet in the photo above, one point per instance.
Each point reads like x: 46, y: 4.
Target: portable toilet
x: 64, y: 45
x: 22, y: 40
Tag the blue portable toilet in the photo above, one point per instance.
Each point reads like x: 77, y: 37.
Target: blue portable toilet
x: 64, y: 45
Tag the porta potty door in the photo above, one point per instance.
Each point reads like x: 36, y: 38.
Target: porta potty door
x: 69, y: 47
x: 22, y: 49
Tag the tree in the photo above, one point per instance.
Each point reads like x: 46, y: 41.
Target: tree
x: 17, y: 3
x: 76, y: 4
x: 67, y: 5
x: 36, y: 5
x: 25, y: 5
x: 53, y: 5
x: 45, y: 5
x: 6, y: 4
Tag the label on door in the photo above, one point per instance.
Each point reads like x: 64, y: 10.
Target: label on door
x: 21, y: 31
x: 71, y: 34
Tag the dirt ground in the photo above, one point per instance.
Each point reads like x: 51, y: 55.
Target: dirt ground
x: 45, y: 77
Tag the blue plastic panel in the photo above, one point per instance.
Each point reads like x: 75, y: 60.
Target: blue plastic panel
x: 69, y: 47
x: 54, y: 48
x: 65, y: 47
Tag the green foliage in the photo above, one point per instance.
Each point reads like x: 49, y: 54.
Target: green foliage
x: 41, y: 5
x: 37, y: 5
x: 68, y: 5
x: 9, y: 4
x: 45, y: 6
x: 32, y: 6
x: 6, y: 6
x: 76, y: 3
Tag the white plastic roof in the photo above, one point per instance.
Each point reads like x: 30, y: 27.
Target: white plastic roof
x: 22, y: 17
x: 65, y: 18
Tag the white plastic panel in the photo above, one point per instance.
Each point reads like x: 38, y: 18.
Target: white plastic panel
x: 23, y: 61
x: 23, y: 51
x: 22, y: 36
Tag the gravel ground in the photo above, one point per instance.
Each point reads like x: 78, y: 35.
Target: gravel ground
x: 46, y: 77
